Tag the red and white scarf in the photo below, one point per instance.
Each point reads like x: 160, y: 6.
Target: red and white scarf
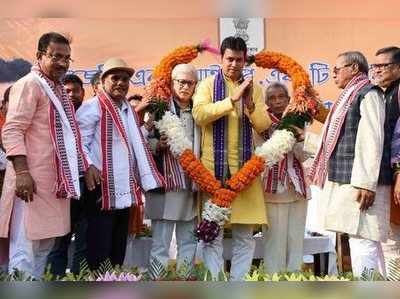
x: 175, y: 178
x: 332, y: 128
x: 289, y: 170
x: 142, y: 171
x: 69, y: 158
x: 173, y: 173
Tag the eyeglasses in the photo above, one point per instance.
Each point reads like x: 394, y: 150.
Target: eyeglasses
x: 182, y: 83
x: 58, y: 57
x: 337, y: 69
x: 382, y: 66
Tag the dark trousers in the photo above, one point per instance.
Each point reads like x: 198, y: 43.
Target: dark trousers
x: 107, y: 232
x: 60, y: 256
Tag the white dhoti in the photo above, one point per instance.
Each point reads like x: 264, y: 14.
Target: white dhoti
x: 284, y: 237
x: 25, y: 255
x: 243, y: 245
x: 343, y: 212
x: 366, y: 257
x: 186, y: 242
x: 366, y: 229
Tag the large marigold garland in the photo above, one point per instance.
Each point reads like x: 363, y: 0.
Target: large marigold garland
x: 303, y: 107
x: 217, y: 210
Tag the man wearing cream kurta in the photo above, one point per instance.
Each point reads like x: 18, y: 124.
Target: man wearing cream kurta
x: 286, y: 194
x: 348, y: 165
x: 173, y: 208
x: 240, y: 96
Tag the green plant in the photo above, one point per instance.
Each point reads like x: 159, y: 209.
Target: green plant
x: 145, y: 232
x: 198, y: 272
x: 157, y: 270
x: 394, y: 269
x: 258, y: 274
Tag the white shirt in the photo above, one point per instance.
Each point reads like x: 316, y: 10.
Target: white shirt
x: 88, y: 117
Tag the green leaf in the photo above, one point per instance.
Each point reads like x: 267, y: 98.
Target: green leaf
x: 185, y: 270
x: 48, y: 276
x: 158, y: 108
x: 394, y: 269
x: 371, y: 275
x: 294, y: 119
x: 157, y: 270
x: 222, y: 276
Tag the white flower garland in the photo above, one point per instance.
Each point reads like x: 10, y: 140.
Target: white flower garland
x: 172, y: 126
x: 273, y: 150
x: 212, y: 212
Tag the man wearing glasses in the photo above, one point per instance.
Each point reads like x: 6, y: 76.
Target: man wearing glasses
x: 347, y: 165
x: 386, y: 73
x: 174, y: 207
x: 42, y: 141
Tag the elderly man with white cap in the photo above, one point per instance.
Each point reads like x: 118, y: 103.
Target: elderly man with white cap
x: 121, y: 166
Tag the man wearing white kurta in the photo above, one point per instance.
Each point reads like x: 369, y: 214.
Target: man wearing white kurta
x: 347, y: 165
x: 120, y: 164
x: 174, y: 207
x: 286, y: 194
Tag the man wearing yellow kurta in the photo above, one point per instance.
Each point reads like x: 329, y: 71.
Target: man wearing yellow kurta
x: 248, y: 208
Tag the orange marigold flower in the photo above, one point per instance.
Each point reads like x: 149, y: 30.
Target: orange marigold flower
x: 300, y: 78
x: 244, y: 177
x: 160, y: 85
x: 198, y: 172
x: 223, y: 197
x: 183, y: 54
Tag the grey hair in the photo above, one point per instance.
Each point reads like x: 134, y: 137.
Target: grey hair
x: 184, y: 68
x: 276, y: 85
x: 358, y: 58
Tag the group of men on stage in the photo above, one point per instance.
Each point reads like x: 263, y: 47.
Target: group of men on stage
x: 80, y: 166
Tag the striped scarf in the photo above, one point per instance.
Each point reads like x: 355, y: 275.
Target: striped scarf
x: 332, y: 128
x: 174, y: 175
x: 142, y: 165
x: 220, y: 136
x: 67, y: 151
x: 288, y: 170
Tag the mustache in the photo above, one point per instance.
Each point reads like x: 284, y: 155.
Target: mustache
x: 61, y: 68
x: 120, y: 90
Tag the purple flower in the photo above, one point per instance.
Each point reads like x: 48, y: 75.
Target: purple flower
x: 124, y: 276
x: 207, y: 231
